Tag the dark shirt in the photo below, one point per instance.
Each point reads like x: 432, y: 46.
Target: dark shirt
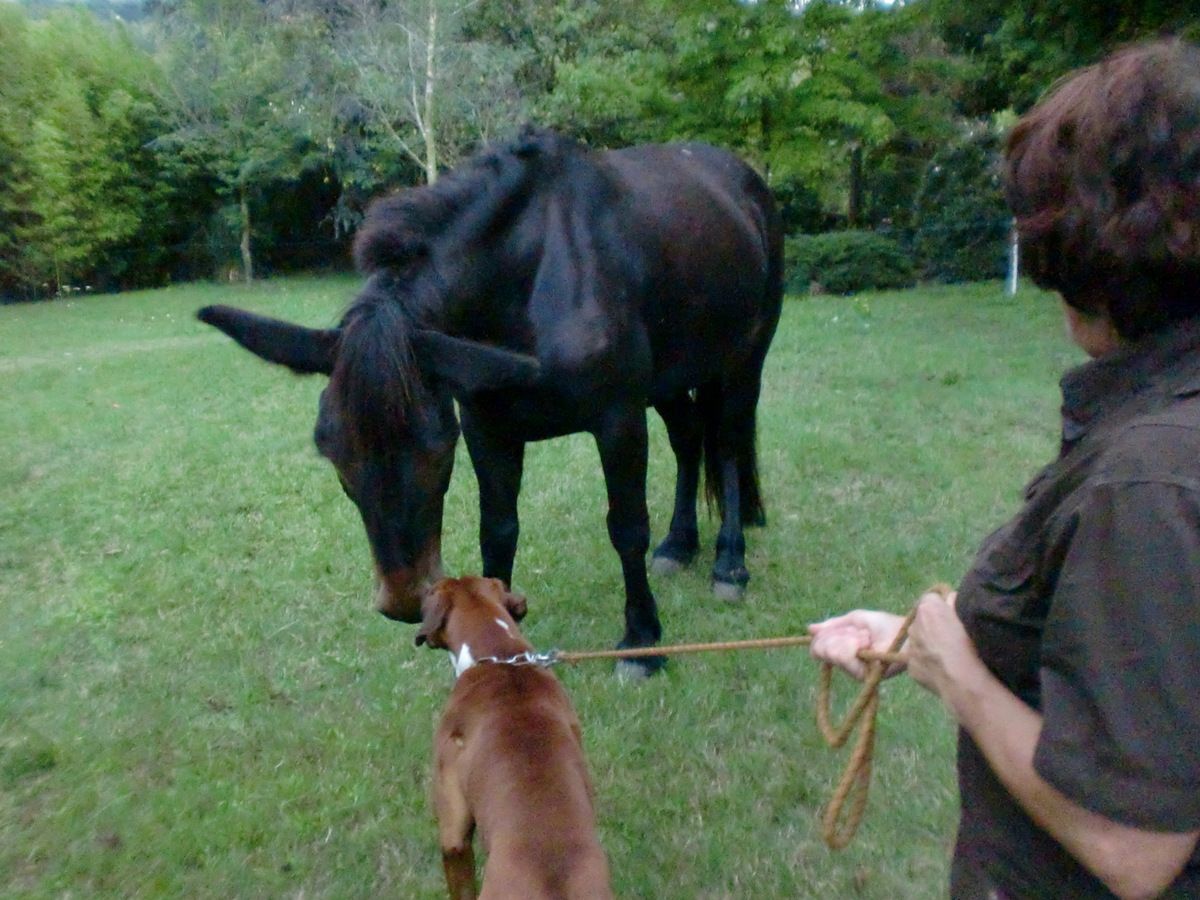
x: 1087, y: 606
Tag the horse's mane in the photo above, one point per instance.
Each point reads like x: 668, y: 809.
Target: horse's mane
x: 398, y: 228
x: 375, y: 378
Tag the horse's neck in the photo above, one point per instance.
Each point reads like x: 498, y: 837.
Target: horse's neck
x: 506, y: 291
x: 494, y: 311
x: 425, y: 305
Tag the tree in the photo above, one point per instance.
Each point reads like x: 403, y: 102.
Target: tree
x: 78, y: 184
x: 961, y: 224
x: 597, y: 69
x: 783, y: 84
x: 918, y: 85
x: 426, y: 91
x: 235, y: 90
x: 17, y: 91
x: 1023, y: 46
x: 818, y: 96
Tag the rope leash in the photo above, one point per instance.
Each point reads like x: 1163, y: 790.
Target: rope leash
x: 566, y: 656
x: 838, y: 824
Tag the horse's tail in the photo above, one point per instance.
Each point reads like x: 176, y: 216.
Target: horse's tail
x: 753, y: 510
x: 728, y: 406
x: 710, y: 402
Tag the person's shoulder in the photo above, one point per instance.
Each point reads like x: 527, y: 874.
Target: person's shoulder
x: 1158, y: 446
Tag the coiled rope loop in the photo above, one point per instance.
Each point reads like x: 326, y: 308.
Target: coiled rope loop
x: 838, y: 824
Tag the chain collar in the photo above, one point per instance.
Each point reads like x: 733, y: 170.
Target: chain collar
x: 528, y: 658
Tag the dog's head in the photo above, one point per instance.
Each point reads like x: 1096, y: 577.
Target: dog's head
x: 453, y: 603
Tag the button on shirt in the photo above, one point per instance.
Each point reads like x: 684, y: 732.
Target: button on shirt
x: 1086, y: 605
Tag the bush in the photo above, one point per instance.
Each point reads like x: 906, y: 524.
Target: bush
x: 843, y: 262
x: 961, y: 224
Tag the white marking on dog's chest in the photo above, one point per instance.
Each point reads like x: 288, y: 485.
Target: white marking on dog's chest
x: 463, y: 661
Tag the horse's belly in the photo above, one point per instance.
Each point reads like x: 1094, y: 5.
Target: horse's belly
x: 538, y: 415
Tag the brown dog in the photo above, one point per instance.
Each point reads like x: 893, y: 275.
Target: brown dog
x: 509, y: 757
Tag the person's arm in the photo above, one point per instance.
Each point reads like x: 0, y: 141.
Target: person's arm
x: 1132, y: 862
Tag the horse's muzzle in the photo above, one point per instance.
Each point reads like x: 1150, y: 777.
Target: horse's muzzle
x: 400, y: 591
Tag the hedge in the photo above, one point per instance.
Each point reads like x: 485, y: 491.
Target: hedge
x: 844, y: 262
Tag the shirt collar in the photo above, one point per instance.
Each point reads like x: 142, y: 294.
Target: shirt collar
x: 1169, y: 358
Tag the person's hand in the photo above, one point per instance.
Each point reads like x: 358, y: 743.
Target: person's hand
x: 839, y: 639
x: 941, y: 657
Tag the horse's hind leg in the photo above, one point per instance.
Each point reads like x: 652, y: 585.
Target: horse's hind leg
x: 737, y: 467
x: 684, y: 429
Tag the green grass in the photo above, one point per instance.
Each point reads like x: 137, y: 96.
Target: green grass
x: 197, y: 700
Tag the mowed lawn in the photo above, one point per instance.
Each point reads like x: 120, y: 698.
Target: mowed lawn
x: 197, y: 699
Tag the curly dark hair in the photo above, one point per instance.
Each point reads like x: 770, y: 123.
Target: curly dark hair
x: 1103, y: 176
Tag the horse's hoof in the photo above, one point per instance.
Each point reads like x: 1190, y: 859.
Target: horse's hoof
x: 728, y: 591
x: 639, y: 669
x: 664, y: 565
x: 673, y: 554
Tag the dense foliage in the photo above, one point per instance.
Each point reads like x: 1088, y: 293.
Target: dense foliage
x: 201, y: 138
x: 83, y: 201
x: 846, y: 262
x: 1019, y: 47
x: 961, y: 227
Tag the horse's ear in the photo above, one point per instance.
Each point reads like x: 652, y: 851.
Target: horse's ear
x: 306, y: 351
x: 469, y: 367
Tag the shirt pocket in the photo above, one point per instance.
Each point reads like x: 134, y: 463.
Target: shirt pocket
x: 1006, y: 571
x: 1009, y: 558
x: 1000, y: 612
x: 1007, y: 561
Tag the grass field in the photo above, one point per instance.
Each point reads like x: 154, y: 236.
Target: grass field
x: 197, y: 700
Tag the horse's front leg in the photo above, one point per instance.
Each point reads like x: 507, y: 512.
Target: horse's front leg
x: 499, y: 461
x: 621, y: 439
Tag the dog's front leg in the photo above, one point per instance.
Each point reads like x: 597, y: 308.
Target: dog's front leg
x: 455, y: 828
x: 460, y: 871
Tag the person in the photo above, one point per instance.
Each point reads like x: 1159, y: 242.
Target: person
x: 1070, y: 654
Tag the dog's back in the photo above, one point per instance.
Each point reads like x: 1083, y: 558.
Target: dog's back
x: 513, y: 737
x: 509, y: 755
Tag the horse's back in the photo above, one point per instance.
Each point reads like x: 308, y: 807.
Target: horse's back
x: 714, y: 258
x: 685, y: 187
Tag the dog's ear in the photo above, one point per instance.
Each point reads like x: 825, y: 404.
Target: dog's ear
x: 516, y: 605
x: 434, y: 610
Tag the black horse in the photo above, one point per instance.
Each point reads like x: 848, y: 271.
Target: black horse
x: 549, y: 289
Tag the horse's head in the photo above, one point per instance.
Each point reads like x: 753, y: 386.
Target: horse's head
x: 386, y: 421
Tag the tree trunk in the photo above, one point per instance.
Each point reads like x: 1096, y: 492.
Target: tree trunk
x: 247, y: 260
x: 854, y: 206
x: 430, y: 133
